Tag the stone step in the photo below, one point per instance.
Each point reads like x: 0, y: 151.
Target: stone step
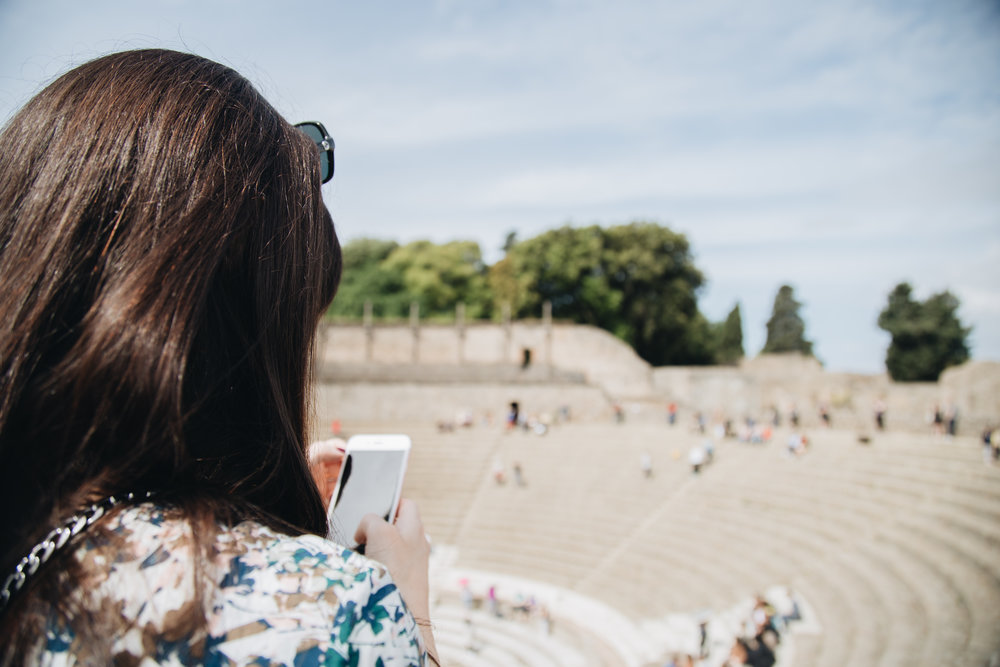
x: 949, y: 600
x: 893, y: 544
x: 522, y: 644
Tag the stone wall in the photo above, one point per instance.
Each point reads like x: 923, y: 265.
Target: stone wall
x: 431, y: 403
x: 787, y: 382
x: 409, y: 372
x: 600, y: 358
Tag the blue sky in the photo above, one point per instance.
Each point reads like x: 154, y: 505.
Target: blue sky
x: 840, y: 147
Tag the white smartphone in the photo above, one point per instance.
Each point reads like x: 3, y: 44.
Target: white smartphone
x: 370, y: 482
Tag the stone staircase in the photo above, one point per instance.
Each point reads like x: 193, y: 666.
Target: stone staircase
x: 894, y: 546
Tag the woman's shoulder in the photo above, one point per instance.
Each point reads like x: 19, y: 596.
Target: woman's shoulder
x: 311, y: 592
x: 265, y: 595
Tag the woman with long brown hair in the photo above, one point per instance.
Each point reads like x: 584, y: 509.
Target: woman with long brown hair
x: 165, y: 255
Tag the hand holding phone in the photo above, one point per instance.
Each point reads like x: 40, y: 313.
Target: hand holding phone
x: 403, y: 548
x: 370, y: 482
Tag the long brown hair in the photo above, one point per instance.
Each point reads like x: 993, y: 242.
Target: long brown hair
x: 164, y: 258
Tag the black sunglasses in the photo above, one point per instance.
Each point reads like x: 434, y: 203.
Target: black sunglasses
x: 315, y: 131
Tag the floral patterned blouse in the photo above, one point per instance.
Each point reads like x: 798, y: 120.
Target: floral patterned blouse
x: 268, y: 598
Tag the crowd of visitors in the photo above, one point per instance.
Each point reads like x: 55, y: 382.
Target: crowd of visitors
x: 764, y: 627
x: 521, y: 608
x: 754, y: 643
x: 944, y: 421
x: 515, y: 419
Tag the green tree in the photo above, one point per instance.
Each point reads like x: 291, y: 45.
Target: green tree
x: 505, y: 288
x: 698, y: 345
x: 509, y: 241
x: 637, y: 281
x: 729, y: 338
x: 927, y: 336
x: 552, y: 267
x: 439, y: 277
x: 366, y: 279
x: 786, y: 329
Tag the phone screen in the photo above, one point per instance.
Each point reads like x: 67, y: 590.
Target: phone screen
x: 370, y: 482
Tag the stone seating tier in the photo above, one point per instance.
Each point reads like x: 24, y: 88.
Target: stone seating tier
x: 893, y: 544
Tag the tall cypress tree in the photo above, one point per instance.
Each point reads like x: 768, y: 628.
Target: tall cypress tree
x: 729, y: 345
x: 786, y: 329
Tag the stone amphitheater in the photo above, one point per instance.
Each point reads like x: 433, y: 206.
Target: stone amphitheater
x: 888, y: 542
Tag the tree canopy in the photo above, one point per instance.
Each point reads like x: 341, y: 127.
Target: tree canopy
x: 439, y: 277
x: 392, y: 277
x: 637, y: 281
x: 927, y: 336
x: 786, y: 329
x: 365, y: 279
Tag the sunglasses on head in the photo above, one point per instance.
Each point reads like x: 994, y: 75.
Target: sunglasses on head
x: 315, y: 131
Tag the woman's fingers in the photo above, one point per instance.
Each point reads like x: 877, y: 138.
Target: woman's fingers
x: 325, y: 459
x: 408, y: 529
x: 408, y: 521
x: 402, y: 547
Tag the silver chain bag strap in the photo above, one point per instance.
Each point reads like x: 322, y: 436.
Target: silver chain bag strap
x: 56, y: 540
